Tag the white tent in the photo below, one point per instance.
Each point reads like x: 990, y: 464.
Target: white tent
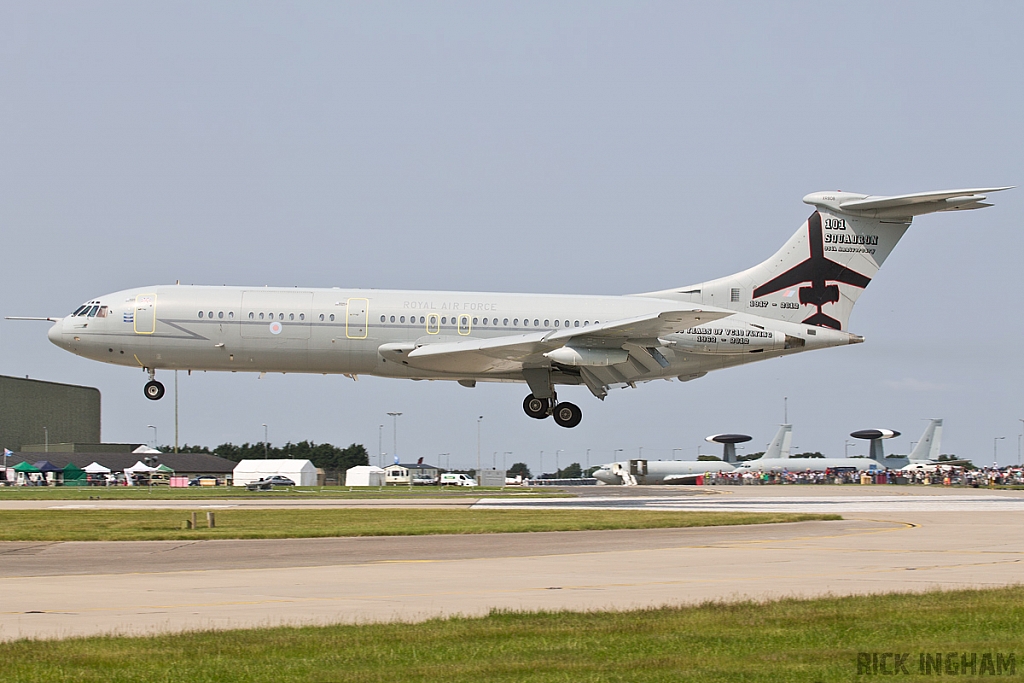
x: 96, y: 468
x: 364, y: 475
x: 139, y: 466
x: 301, y: 472
x: 146, y: 450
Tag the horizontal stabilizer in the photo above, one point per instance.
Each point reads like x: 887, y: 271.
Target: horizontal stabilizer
x: 902, y: 206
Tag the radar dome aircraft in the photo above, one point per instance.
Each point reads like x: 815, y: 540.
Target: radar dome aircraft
x: 798, y: 300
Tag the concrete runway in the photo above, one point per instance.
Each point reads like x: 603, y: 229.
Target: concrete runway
x: 910, y: 539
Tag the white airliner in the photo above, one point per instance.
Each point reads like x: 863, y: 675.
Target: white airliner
x: 779, y: 459
x: 797, y: 300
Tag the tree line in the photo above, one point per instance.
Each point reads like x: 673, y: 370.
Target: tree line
x: 326, y: 456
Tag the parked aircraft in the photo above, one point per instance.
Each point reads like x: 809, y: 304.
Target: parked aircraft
x: 632, y: 472
x: 925, y: 455
x: 798, y: 300
x: 778, y: 459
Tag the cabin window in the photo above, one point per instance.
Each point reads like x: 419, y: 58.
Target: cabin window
x: 567, y: 323
x: 547, y: 323
x: 444, y: 321
x: 220, y: 315
x: 231, y: 315
x: 506, y: 322
x: 302, y: 316
x: 577, y: 324
x: 526, y: 322
x: 383, y: 318
x: 280, y: 316
x: 392, y: 318
x: 474, y: 321
x: 210, y: 315
x: 332, y: 317
x: 586, y: 322
x: 402, y: 319
x: 536, y: 323
x: 200, y: 314
x: 251, y: 315
x: 291, y: 316
x: 556, y: 323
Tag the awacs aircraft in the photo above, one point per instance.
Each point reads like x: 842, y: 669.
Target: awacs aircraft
x: 778, y: 459
x: 797, y: 300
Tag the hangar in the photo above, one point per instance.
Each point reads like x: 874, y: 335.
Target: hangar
x: 33, y: 411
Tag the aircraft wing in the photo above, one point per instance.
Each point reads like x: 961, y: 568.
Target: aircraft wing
x: 514, y: 352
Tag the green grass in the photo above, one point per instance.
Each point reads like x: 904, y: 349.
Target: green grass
x: 234, y: 492
x: 788, y: 640
x: 150, y: 525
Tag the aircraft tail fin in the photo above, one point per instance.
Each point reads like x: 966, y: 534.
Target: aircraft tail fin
x: 779, y: 447
x: 818, y: 275
x: 927, y: 448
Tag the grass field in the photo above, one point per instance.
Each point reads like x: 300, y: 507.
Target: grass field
x: 789, y: 640
x: 233, y: 492
x: 153, y: 525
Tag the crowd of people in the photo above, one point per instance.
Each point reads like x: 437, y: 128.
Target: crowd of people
x: 945, y: 476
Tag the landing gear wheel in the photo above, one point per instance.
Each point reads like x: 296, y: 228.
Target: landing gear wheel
x: 154, y: 390
x: 537, y: 408
x: 567, y: 415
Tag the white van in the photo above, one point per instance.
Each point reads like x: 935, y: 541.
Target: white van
x: 456, y: 479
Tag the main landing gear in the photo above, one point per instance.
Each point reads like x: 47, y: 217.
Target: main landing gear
x: 154, y: 390
x: 565, y: 414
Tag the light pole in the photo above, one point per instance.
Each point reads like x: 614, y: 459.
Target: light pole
x: 674, y: 452
x: 503, y: 465
x: 556, y: 461
x: 380, y: 446
x: 46, y: 439
x: 494, y: 460
x: 588, y: 458
x: 155, y: 438
x: 541, y: 464
x: 1018, y: 440
x: 617, y: 450
x: 394, y: 433
x: 447, y: 461
x: 995, y: 445
x: 478, y: 421
x: 846, y: 452
x: 265, y: 449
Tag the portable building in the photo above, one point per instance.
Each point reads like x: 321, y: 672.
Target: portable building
x: 302, y: 472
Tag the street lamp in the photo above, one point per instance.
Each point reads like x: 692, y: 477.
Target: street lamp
x: 617, y: 450
x: 995, y: 445
x: 588, y: 458
x: 394, y: 433
x: 380, y: 446
x: 1018, y: 440
x: 556, y: 461
x: 265, y: 449
x: 155, y: 439
x: 503, y: 465
x: 478, y: 421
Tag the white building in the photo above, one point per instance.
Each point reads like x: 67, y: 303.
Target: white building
x: 301, y: 472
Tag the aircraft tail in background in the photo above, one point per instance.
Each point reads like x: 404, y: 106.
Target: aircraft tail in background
x: 779, y: 447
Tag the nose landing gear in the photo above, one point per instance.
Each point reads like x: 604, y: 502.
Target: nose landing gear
x: 154, y: 390
x: 565, y: 414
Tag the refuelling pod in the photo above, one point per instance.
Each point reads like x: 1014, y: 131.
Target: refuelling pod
x: 583, y: 356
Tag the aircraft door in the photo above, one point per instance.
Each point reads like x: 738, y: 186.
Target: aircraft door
x: 464, y: 326
x: 433, y: 323
x: 355, y: 318
x: 145, y: 314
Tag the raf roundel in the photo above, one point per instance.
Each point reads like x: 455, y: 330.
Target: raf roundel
x: 276, y: 327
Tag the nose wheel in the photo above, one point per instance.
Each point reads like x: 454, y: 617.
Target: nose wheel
x: 565, y: 414
x: 154, y: 390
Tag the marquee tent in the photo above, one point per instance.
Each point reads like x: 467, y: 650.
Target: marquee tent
x: 75, y: 476
x: 139, y: 467
x: 364, y: 475
x: 25, y: 468
x: 302, y: 472
x: 96, y: 468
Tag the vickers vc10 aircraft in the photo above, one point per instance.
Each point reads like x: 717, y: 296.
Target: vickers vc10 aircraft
x: 797, y: 300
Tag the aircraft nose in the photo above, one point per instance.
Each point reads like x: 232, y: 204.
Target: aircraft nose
x: 56, y: 333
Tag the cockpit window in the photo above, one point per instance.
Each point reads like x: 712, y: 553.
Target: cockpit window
x: 92, y: 311
x: 102, y: 313
x: 80, y: 310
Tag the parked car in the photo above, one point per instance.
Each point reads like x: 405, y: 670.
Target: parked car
x: 204, y: 480
x: 267, y: 483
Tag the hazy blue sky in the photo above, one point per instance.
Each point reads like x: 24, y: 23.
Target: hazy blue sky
x: 579, y: 147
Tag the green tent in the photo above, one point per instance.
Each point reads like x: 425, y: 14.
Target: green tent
x: 165, y: 469
x: 26, y: 468
x: 75, y: 476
